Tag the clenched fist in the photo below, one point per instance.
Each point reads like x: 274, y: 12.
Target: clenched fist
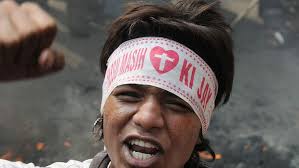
x: 26, y: 34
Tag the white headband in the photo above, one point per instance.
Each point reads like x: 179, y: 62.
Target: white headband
x: 165, y: 64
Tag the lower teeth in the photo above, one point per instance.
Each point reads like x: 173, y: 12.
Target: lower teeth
x: 141, y: 156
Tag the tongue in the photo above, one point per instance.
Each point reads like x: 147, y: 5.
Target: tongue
x: 144, y: 149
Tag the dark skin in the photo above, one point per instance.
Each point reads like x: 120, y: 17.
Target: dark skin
x: 149, y: 113
x: 26, y: 34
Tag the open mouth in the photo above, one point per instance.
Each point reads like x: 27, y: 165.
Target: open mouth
x: 143, y: 149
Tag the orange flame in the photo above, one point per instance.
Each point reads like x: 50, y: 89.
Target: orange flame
x: 40, y: 146
x: 218, y: 156
x: 207, y: 156
x: 67, y: 144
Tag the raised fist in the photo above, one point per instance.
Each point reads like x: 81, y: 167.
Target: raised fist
x: 26, y: 34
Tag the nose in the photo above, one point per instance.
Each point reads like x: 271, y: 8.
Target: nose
x: 149, y: 114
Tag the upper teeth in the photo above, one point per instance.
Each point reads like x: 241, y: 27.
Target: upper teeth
x: 142, y: 143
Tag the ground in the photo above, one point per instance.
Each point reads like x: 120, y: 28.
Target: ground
x: 51, y: 119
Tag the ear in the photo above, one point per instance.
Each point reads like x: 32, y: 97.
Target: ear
x: 98, y: 128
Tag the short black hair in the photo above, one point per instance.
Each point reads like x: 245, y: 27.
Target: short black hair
x: 194, y: 23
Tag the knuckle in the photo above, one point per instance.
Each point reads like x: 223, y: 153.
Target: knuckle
x: 10, y: 39
x: 10, y: 42
x: 25, y: 28
x: 51, y: 26
x: 30, y: 5
x: 39, y: 16
x: 49, y: 21
x: 52, y: 23
x: 7, y: 6
x: 26, y: 33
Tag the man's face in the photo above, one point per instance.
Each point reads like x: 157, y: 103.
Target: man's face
x: 145, y: 126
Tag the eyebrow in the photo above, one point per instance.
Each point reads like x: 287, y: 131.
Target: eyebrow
x: 144, y: 87
x: 162, y: 91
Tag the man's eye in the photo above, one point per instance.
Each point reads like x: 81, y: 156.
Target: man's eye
x: 128, y: 96
x: 179, y: 106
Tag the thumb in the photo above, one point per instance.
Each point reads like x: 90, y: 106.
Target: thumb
x: 51, y: 61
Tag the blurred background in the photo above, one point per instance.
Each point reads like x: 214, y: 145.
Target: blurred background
x: 50, y: 119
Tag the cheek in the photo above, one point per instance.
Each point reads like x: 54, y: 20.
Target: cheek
x: 185, y: 127
x: 184, y: 132
x: 113, y: 119
x: 112, y: 122
x: 116, y: 118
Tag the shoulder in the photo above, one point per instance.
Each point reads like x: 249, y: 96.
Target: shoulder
x: 197, y: 163
x: 101, y: 160
x: 69, y: 164
x: 9, y: 164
